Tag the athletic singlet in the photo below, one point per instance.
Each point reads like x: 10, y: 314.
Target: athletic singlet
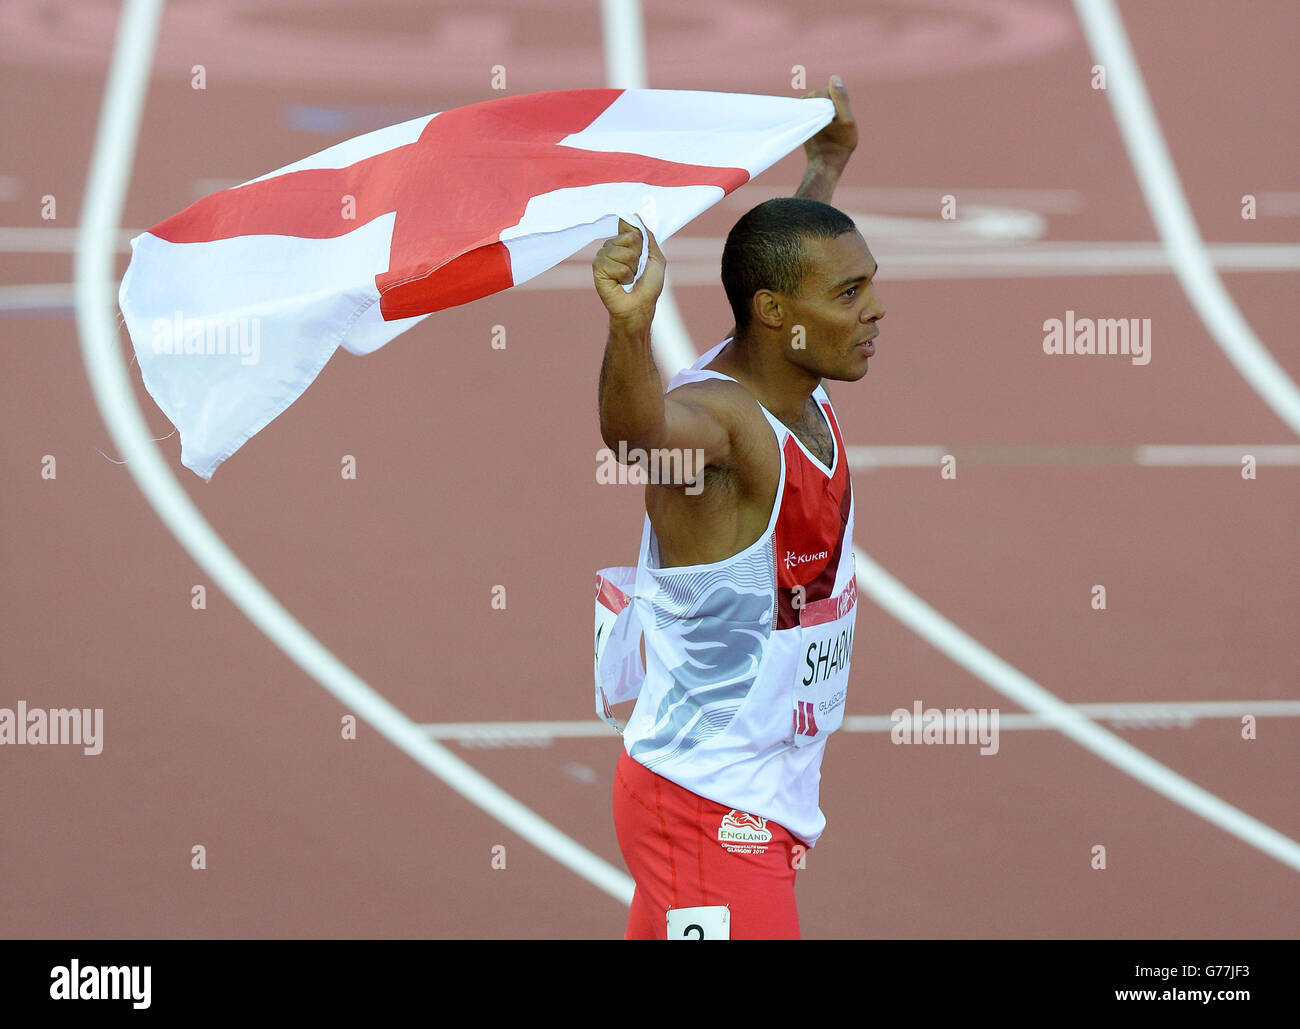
x: 746, y: 659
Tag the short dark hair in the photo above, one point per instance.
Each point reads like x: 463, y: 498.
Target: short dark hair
x: 765, y: 248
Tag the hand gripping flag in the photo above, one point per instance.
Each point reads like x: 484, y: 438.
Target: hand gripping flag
x: 235, y: 304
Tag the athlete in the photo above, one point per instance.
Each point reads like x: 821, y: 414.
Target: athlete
x: 735, y: 629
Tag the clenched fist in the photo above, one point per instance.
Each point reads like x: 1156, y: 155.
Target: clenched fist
x: 614, y: 266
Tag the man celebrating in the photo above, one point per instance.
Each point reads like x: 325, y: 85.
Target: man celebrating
x: 744, y: 590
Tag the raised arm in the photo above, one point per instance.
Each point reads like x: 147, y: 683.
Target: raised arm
x: 829, y: 151
x: 633, y: 407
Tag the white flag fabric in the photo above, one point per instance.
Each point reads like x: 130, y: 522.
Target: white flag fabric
x: 235, y: 304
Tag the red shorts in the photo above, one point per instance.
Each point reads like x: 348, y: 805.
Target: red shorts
x: 670, y: 840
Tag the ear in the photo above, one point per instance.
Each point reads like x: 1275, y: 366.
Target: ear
x: 768, y: 308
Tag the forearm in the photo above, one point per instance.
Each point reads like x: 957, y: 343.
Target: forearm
x: 820, y: 179
x: 631, y: 392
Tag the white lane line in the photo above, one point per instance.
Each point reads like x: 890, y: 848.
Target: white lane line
x: 522, y: 734
x: 623, y: 34
x: 106, y: 184
x: 920, y: 200
x: 1133, y: 715
x: 1175, y: 714
x: 1088, y: 256
x: 1150, y: 455
x: 699, y: 265
x: 903, y: 456
x: 1082, y: 257
x: 625, y: 68
x: 1173, y: 217
x: 1278, y: 204
x: 693, y: 260
x: 51, y: 296
x: 52, y: 239
x: 1170, y: 455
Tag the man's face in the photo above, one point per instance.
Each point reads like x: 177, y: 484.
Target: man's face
x: 837, y: 307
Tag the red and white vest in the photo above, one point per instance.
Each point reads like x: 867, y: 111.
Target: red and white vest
x: 746, y: 659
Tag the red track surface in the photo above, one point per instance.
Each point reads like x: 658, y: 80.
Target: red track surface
x: 475, y: 468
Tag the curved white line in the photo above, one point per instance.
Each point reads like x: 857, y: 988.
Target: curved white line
x: 1173, y: 217
x: 672, y: 345
x: 981, y: 662
x: 106, y: 184
x: 624, y: 35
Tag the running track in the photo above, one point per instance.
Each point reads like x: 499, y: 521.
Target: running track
x: 475, y: 470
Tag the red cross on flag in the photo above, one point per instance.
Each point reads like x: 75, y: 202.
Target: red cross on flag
x: 235, y: 304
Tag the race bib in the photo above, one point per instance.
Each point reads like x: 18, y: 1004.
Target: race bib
x: 619, y: 668
x: 711, y: 923
x: 821, y: 678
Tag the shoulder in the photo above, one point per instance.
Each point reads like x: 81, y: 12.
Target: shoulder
x: 754, y: 447
x: 727, y: 400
